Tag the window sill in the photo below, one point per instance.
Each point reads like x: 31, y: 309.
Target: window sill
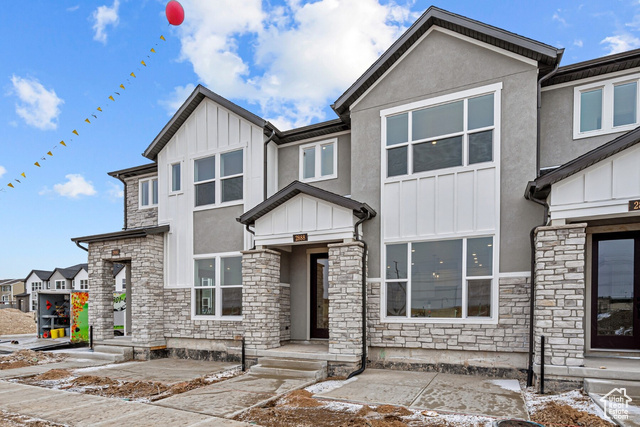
x: 176, y: 193
x: 217, y: 318
x: 433, y: 320
x: 142, y: 208
x: 322, y: 178
x: 608, y: 131
x: 218, y: 206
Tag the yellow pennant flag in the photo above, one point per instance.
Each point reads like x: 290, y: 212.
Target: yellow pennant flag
x: 10, y: 185
x: 50, y: 153
x: 111, y: 98
x: 122, y: 86
x: 37, y: 164
x: 63, y: 144
x: 87, y: 120
x: 153, y: 50
x: 23, y: 175
x: 76, y: 132
x: 142, y: 62
x: 132, y: 75
x: 99, y: 109
x: 162, y: 38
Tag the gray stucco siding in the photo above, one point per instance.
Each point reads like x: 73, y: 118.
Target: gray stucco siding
x: 439, y: 65
x: 289, y: 167
x: 557, y: 145
x: 216, y: 230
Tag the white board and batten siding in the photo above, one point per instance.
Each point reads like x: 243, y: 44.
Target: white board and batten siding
x: 320, y: 220
x: 443, y: 205
x: 210, y: 130
x: 601, y: 190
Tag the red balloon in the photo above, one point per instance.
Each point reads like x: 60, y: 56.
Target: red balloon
x: 174, y: 12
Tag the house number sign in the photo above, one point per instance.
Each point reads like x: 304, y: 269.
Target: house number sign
x: 115, y: 252
x: 300, y: 238
x: 634, y: 205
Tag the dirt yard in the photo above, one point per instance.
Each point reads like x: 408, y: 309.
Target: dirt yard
x: 23, y: 358
x: 9, y: 419
x: 13, y: 322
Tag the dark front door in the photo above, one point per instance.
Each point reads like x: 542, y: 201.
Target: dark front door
x: 319, y: 289
x: 615, y: 293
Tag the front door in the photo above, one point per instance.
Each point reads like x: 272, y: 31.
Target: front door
x: 319, y: 280
x: 615, y: 297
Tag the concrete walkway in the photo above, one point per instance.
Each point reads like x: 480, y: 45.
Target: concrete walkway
x: 29, y: 371
x: 86, y: 410
x: 465, y: 394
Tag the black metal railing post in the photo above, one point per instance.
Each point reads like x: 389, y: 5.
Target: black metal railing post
x: 243, y: 356
x: 91, y: 337
x: 542, y: 364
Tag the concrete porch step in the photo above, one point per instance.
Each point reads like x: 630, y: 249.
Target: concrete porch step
x: 602, y: 387
x: 295, y: 368
x: 126, y: 352
x: 94, y: 355
x: 598, y: 389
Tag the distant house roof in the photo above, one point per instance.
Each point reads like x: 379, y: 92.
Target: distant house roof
x: 41, y: 274
x: 117, y: 268
x: 595, y: 67
x: 124, y: 234
x: 4, y: 282
x: 541, y: 187
x: 196, y: 97
x: 135, y: 171
x: 297, y: 187
x: 70, y: 273
x: 547, y: 56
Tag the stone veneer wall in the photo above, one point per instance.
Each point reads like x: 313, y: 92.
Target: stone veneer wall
x: 345, y: 298
x: 560, y: 293
x: 179, y: 324
x: 137, y: 217
x: 261, y: 298
x: 146, y: 255
x: 510, y: 334
x: 285, y: 312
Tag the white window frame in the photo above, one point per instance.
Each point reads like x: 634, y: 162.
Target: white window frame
x: 495, y: 298
x: 35, y: 286
x: 318, y: 160
x: 495, y: 89
x: 217, y: 288
x: 173, y: 192
x: 218, y: 178
x: 61, y: 283
x: 607, y: 106
x: 150, y: 181
x: 84, y: 284
x: 34, y: 305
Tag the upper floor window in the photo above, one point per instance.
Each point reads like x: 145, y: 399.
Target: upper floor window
x: 6, y: 288
x: 61, y: 284
x: 84, y: 283
x: 176, y: 177
x: 319, y: 160
x: 608, y: 107
x: 442, y: 135
x: 219, y: 179
x: 35, y: 286
x: 148, y: 192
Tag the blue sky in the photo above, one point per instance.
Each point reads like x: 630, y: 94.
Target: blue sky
x: 287, y: 61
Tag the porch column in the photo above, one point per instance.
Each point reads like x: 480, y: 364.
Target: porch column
x: 345, y: 298
x: 100, y: 295
x: 261, y: 298
x: 560, y: 294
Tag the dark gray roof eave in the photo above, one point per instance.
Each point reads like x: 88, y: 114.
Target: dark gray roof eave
x: 135, y: 171
x: 124, y: 234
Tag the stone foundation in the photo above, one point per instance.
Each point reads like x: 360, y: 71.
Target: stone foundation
x: 560, y: 294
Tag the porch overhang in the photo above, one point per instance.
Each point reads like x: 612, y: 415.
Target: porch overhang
x: 302, y: 209
x: 124, y: 234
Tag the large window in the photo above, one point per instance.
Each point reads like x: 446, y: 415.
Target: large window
x: 218, y: 286
x: 606, y: 107
x: 445, y: 135
x: 219, y: 179
x: 61, y: 284
x: 36, y: 286
x: 319, y: 160
x: 445, y: 279
x: 148, y: 192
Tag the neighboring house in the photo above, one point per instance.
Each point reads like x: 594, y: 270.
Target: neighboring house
x: 120, y: 277
x: 60, y: 280
x: 9, y: 288
x: 239, y: 230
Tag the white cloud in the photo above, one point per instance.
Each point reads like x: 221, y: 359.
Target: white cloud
x: 621, y: 43
x: 75, y: 187
x: 556, y: 17
x: 578, y: 43
x: 103, y: 16
x: 177, y: 98
x: 39, y: 107
x: 305, y: 55
x: 115, y: 191
x: 3, y: 170
x: 73, y: 8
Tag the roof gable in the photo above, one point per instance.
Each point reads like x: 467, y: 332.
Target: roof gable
x: 547, y: 56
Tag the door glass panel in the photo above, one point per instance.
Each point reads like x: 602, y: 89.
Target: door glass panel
x: 615, y: 288
x: 322, y: 294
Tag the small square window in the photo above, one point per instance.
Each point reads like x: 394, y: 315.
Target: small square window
x: 318, y: 161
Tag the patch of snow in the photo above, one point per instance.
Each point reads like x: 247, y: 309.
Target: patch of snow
x: 327, y: 386
x: 224, y: 374
x: 334, y: 405
x: 511, y: 385
x: 573, y: 398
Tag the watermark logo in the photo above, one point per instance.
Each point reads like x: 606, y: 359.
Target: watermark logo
x: 616, y: 404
